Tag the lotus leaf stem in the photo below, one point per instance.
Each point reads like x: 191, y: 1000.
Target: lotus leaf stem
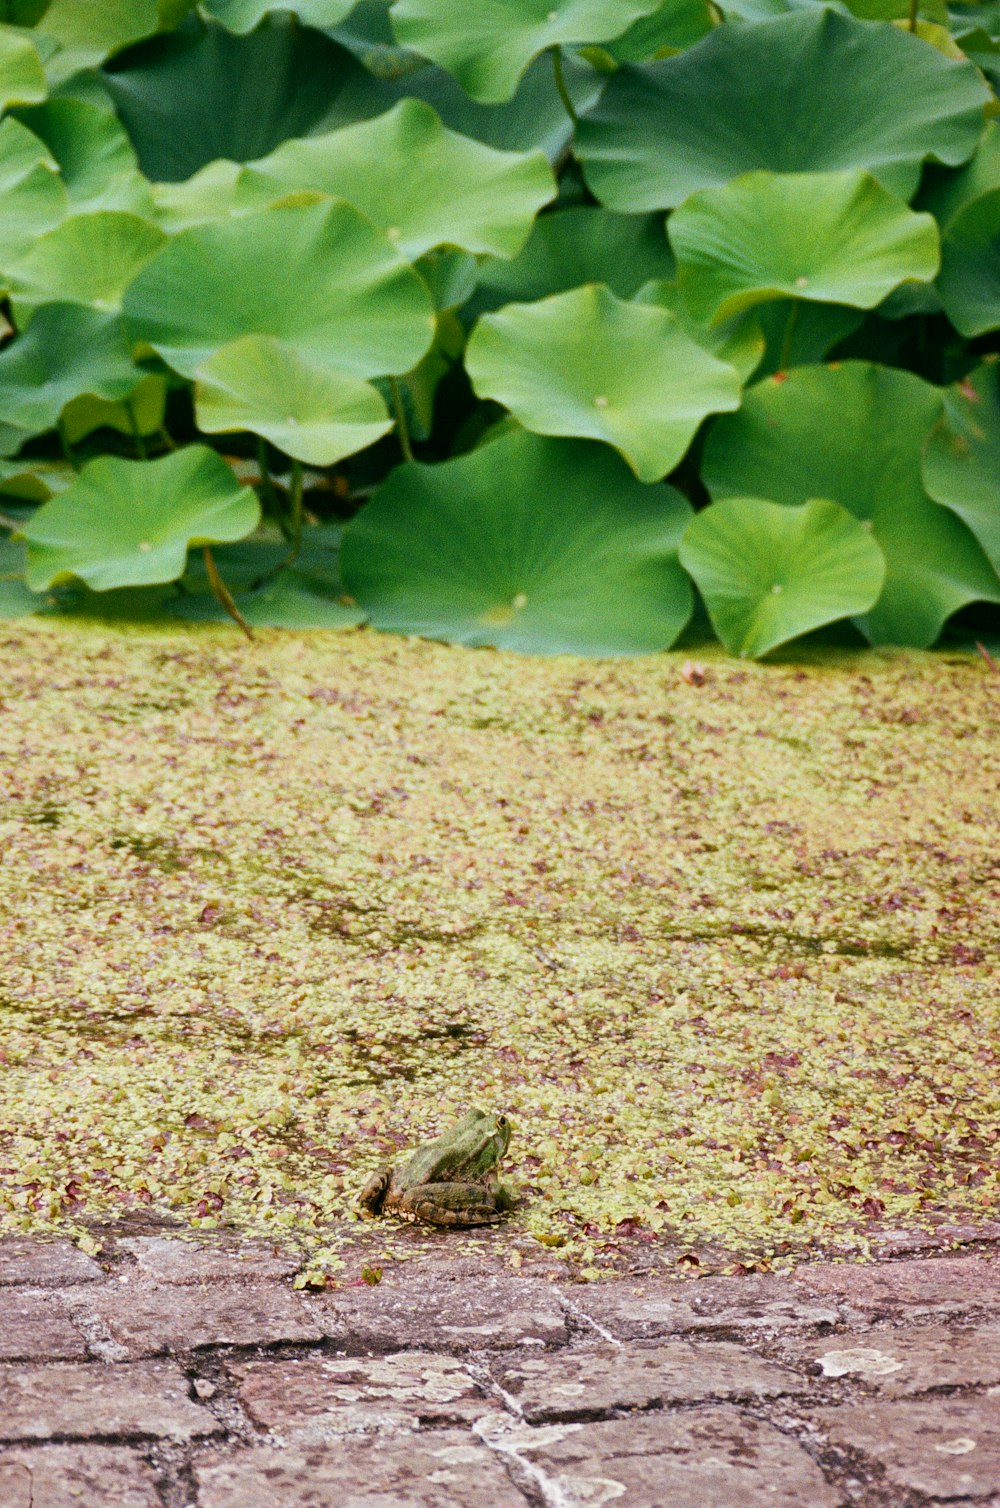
x: 67, y: 449
x: 266, y: 483
x: 564, y: 94
x: 222, y: 593
x: 402, y: 428
x: 296, y: 500
x: 789, y: 336
x: 912, y: 22
x: 137, y: 436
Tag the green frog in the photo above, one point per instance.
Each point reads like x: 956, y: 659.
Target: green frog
x: 452, y: 1180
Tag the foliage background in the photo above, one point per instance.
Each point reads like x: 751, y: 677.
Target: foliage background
x: 566, y: 320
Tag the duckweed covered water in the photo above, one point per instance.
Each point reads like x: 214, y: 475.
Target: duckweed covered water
x: 727, y: 955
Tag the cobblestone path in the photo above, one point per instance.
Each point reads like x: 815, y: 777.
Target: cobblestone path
x: 176, y: 1375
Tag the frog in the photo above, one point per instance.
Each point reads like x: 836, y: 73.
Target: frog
x: 450, y: 1181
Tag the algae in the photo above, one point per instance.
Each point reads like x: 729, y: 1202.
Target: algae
x: 727, y: 954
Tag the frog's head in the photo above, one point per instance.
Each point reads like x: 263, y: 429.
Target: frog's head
x: 469, y: 1150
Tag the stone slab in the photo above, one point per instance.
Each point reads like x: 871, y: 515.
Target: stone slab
x: 903, y: 1362
x: 318, y: 1396
x: 76, y: 1476
x: 165, y: 1259
x: 133, y: 1400
x: 600, y: 1379
x: 37, y: 1327
x: 945, y: 1447
x: 45, y: 1264
x: 908, y: 1288
x: 175, y: 1319
x: 413, y: 1311
x: 641, y: 1311
x: 441, y: 1469
x: 694, y: 1458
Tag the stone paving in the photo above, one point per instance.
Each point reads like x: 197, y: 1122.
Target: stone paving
x: 175, y: 1374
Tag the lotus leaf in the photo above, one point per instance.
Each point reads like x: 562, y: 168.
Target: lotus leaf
x: 488, y: 44
x: 739, y: 342
x: 34, y: 197
x: 316, y: 415
x: 799, y: 333
x: 208, y: 195
x: 424, y: 185
x: 66, y: 351
x: 22, y: 78
x: 144, y: 413
x: 320, y: 277
x: 578, y: 245
x: 946, y: 194
x: 96, y: 160
x: 244, y: 15
x: 855, y: 433
x: 16, y: 601
x: 769, y: 572
x: 811, y: 91
x: 587, y: 364
x: 88, y: 31
x: 675, y: 25
x: 969, y: 284
x: 194, y: 96
x: 542, y: 546
x: 88, y: 259
x: 129, y: 523
x: 837, y: 238
x: 294, y: 599
x: 962, y: 457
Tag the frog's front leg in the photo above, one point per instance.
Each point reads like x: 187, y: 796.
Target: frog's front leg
x: 372, y: 1196
x: 453, y: 1204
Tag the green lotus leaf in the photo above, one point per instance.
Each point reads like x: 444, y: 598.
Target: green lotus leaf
x: 144, y: 413
x: 89, y: 31
x: 22, y: 77
x: 208, y: 195
x: 250, y: 563
x: 320, y: 277
x: 66, y: 351
x: 316, y: 415
x: 677, y: 24
x: 33, y: 196
x: 488, y: 44
x: 969, y: 284
x: 814, y: 330
x: 811, y: 91
x: 130, y: 523
x: 541, y: 546
x: 197, y: 95
x: 16, y: 600
x: 962, y: 458
x: 573, y: 246
x: 96, y: 159
x: 424, y: 185
x: 88, y: 259
x: 855, y: 433
x: 243, y: 15
x: 35, y: 480
x: 769, y: 573
x: 836, y: 238
x: 739, y: 342
x: 588, y: 364
x: 295, y: 599
x: 945, y: 194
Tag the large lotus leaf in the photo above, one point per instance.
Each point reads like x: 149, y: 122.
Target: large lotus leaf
x: 542, y: 546
x: 811, y: 91
x: 318, y: 416
x: 66, y: 351
x: 197, y: 95
x: 739, y: 342
x: 320, y: 277
x: 969, y: 284
x: 677, y: 24
x: 209, y: 194
x: 88, y: 259
x: 129, y: 523
x: 962, y: 457
x: 16, y: 600
x: 588, y: 364
x: 243, y: 15
x: 946, y: 194
x: 33, y: 196
x: 96, y: 160
x: 488, y: 44
x: 769, y: 573
x: 836, y: 238
x: 424, y: 185
x: 88, y: 31
x: 578, y: 245
x: 854, y: 433
x: 22, y: 78
x: 33, y: 480
x: 144, y: 413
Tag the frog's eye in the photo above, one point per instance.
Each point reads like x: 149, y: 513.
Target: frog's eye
x: 501, y: 1121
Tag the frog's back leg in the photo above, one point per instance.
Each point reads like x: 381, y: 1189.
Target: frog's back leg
x: 450, y: 1204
